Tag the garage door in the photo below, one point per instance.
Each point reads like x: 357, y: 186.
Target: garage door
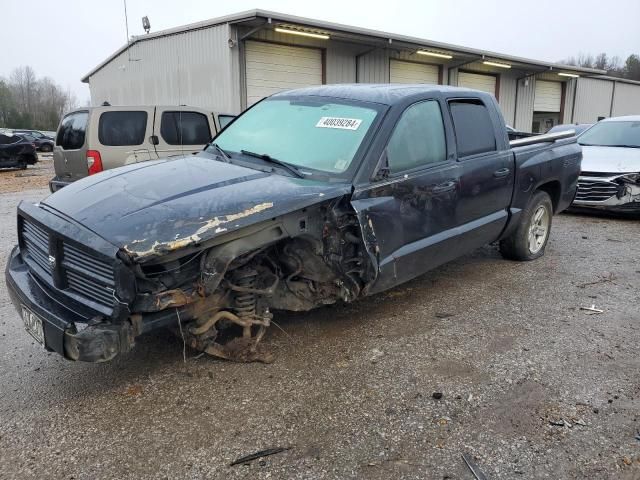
x: 485, y: 83
x: 409, y: 72
x: 548, y: 96
x: 272, y: 68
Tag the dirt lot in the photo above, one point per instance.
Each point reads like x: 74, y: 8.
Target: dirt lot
x: 532, y: 386
x: 34, y: 177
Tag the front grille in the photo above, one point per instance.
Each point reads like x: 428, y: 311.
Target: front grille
x: 36, y: 247
x: 595, y: 190
x: 75, y: 271
x: 88, y: 276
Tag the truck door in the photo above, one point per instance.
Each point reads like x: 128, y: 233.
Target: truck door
x: 181, y: 132
x: 486, y: 172
x: 412, y: 212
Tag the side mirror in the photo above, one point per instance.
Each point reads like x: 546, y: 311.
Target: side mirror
x: 153, y: 140
x: 382, y: 170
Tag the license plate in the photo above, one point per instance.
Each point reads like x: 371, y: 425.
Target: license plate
x: 33, y: 324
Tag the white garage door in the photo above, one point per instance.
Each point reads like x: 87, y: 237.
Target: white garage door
x: 409, y: 72
x: 548, y: 96
x: 485, y: 83
x: 272, y: 68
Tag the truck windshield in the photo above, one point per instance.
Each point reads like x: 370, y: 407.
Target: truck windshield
x: 612, y: 134
x: 315, y: 133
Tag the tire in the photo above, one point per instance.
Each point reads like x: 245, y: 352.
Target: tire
x: 530, y: 238
x: 46, y: 148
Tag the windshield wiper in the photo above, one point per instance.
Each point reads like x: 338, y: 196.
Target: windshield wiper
x: 270, y: 159
x: 225, y: 156
x: 625, y: 146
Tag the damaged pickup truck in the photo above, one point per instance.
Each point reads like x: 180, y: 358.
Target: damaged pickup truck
x: 310, y: 197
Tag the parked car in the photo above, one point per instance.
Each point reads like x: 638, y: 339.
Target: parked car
x: 42, y: 144
x: 35, y: 133
x: 577, y: 127
x: 91, y: 140
x: 310, y: 197
x: 610, y: 177
x: 16, y: 152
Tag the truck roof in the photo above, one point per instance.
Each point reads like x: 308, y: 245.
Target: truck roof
x: 385, y: 93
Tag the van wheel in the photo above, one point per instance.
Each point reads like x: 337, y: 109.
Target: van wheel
x: 532, y: 234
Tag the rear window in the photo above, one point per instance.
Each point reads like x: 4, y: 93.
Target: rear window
x: 72, y: 131
x: 473, y: 127
x: 124, y: 128
x: 185, y: 128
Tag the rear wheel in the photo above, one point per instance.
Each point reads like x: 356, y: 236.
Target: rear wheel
x: 46, y: 148
x: 530, y: 239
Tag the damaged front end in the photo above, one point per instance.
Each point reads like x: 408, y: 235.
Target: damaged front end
x: 224, y: 295
x: 216, y: 291
x: 609, y: 191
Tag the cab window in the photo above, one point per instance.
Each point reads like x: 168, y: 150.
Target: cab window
x: 418, y: 138
x: 474, y: 130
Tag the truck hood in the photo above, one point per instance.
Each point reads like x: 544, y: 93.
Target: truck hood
x: 157, y: 207
x: 610, y: 159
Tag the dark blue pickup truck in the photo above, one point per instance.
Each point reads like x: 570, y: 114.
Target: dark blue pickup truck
x: 310, y: 197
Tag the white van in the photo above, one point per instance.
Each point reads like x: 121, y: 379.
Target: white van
x: 92, y: 139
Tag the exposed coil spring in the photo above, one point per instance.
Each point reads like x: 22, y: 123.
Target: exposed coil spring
x: 245, y: 302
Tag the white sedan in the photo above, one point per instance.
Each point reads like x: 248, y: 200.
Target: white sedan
x: 610, y: 177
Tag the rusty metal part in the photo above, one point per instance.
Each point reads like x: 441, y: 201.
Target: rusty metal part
x: 242, y: 349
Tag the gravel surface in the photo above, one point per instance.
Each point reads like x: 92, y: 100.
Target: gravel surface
x: 34, y: 177
x: 531, y: 385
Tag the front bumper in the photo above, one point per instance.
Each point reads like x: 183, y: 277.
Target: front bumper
x: 72, y: 330
x: 625, y: 199
x: 56, y: 184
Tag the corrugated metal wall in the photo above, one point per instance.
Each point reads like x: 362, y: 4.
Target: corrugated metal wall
x: 524, y: 110
x: 192, y: 68
x: 373, y: 67
x: 570, y: 90
x: 593, y: 100
x: 626, y: 100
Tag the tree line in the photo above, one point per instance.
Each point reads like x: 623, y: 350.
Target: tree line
x: 614, y: 66
x: 27, y: 101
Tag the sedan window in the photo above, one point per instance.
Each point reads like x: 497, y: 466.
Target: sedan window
x: 612, y: 134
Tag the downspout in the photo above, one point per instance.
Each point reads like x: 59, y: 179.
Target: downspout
x: 613, y: 94
x: 573, y: 105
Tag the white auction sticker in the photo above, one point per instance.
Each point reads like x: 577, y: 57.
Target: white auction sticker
x: 338, y: 122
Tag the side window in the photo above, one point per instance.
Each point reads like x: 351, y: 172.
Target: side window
x: 474, y: 129
x: 185, y: 128
x: 72, y: 131
x: 418, y: 138
x: 225, y: 120
x: 117, y: 129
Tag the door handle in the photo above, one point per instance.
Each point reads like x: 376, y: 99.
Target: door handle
x: 444, y: 187
x: 503, y: 172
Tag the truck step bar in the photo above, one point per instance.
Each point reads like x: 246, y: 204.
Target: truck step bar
x: 547, y: 137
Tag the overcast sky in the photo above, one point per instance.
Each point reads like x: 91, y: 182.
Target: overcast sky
x: 64, y: 39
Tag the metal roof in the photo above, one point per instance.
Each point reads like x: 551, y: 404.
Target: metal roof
x: 352, y: 33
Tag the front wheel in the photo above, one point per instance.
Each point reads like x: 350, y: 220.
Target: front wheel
x: 532, y: 234
x: 46, y: 148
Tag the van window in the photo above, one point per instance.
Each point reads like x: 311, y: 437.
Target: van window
x: 473, y: 127
x: 185, y: 128
x: 122, y: 128
x: 418, y: 138
x: 72, y: 131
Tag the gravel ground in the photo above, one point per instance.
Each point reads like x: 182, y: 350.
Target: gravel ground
x: 34, y: 177
x: 532, y: 386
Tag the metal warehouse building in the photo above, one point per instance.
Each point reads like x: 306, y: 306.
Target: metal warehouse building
x: 229, y: 63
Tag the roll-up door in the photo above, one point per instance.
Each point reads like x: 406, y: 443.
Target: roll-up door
x: 548, y: 96
x: 271, y: 68
x: 410, y: 72
x: 477, y: 81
